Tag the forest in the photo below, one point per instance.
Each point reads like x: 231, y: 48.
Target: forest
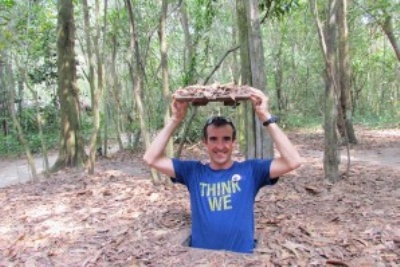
x: 85, y: 86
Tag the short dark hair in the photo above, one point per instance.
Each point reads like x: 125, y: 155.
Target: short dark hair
x: 218, y: 121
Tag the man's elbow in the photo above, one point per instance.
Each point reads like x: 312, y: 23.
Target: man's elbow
x: 148, y: 160
x: 296, y: 163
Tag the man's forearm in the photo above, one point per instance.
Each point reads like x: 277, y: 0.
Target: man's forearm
x: 285, y: 147
x: 289, y: 157
x: 157, y: 147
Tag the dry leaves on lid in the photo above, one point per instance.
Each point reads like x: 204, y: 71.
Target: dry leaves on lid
x: 202, y: 94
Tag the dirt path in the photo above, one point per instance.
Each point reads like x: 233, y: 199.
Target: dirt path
x: 389, y: 157
x: 14, y: 171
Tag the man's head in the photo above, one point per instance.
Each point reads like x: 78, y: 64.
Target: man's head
x: 218, y: 121
x: 219, y: 135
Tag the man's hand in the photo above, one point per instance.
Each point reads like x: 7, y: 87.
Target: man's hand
x: 155, y: 156
x: 260, y: 104
x: 179, y: 109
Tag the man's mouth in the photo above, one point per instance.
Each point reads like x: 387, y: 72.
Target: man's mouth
x: 220, y: 153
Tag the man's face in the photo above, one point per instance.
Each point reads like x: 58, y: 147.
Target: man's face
x: 219, y: 144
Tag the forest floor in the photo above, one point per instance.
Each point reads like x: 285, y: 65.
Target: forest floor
x: 117, y: 217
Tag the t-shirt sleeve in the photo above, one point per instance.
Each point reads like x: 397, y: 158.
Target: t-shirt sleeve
x: 183, y: 169
x: 262, y: 173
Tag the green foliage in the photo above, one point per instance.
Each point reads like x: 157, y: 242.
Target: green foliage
x: 297, y: 120
x: 5, y: 4
x: 290, y: 44
x: 51, y: 140
x: 45, y: 73
x: 10, y: 145
x: 86, y: 126
x: 373, y: 120
x: 195, y: 132
x: 204, y: 14
x: 278, y: 8
x: 27, y: 119
x: 48, y: 115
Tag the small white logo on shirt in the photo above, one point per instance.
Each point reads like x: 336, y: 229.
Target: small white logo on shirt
x: 236, y: 178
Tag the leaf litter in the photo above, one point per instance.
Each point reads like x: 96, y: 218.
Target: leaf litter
x: 200, y: 95
x: 118, y: 217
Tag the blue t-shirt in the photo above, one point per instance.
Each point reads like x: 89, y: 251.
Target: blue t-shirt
x: 222, y: 202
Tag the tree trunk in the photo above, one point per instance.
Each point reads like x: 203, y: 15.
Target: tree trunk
x: 116, y: 90
x: 259, y: 145
x: 96, y: 140
x: 4, y: 98
x: 387, y: 28
x: 71, y: 151
x: 278, y: 75
x: 189, y: 48
x: 264, y: 146
x: 93, y: 89
x: 135, y: 70
x: 345, y: 120
x: 331, y: 153
x: 7, y: 77
x: 164, y: 71
x: 102, y: 77
x: 328, y: 47
x: 278, y: 85
x: 243, y: 30
x: 165, y: 75
x: 189, y: 64
x: 38, y: 119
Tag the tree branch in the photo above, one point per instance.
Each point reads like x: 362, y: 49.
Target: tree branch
x: 219, y: 63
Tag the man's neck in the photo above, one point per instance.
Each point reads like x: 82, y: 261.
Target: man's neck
x: 218, y: 167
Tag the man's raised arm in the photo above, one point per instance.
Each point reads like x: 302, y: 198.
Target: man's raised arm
x: 289, y: 158
x: 155, y: 154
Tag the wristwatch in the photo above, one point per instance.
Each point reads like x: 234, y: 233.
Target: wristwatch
x: 273, y: 119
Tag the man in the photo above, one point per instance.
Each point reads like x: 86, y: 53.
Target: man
x: 222, y: 192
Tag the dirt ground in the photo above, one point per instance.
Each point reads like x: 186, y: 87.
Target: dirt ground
x: 117, y: 217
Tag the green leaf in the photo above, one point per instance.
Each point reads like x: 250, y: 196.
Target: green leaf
x: 6, y: 4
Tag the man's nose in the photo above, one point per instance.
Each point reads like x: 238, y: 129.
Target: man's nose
x: 220, y: 144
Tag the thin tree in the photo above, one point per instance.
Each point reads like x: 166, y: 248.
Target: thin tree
x: 135, y: 73
x: 202, y: 22
x: 328, y: 45
x: 71, y: 151
x: 94, y: 91
x: 387, y: 27
x: 39, y: 120
x: 7, y: 80
x: 164, y: 69
x: 379, y: 12
x: 115, y: 88
x: 103, y: 83
x: 257, y: 144
x: 243, y: 35
x: 96, y: 86
x: 345, y: 116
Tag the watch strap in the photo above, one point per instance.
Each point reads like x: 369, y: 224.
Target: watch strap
x: 273, y: 119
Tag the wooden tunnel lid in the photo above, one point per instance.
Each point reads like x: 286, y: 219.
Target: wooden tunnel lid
x: 200, y: 95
